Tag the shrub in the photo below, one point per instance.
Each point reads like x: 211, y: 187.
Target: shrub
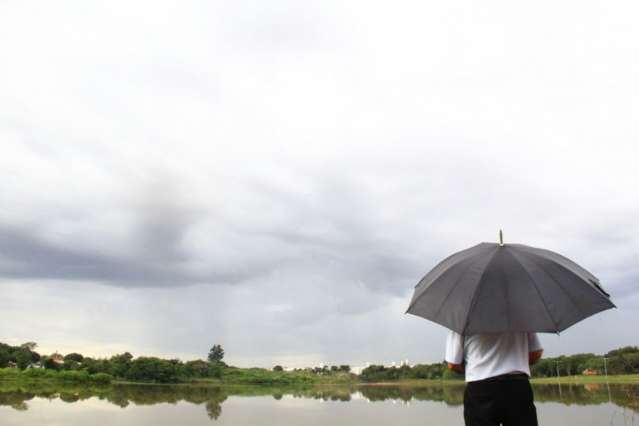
x: 152, y: 369
x: 9, y: 373
x: 73, y: 376
x: 101, y: 378
x: 260, y: 376
x: 35, y: 373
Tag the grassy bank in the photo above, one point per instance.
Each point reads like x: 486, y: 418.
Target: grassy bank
x: 268, y: 378
x: 413, y: 383
x: 628, y: 379
x: 622, y: 379
x: 42, y: 375
x: 260, y: 376
x: 229, y: 376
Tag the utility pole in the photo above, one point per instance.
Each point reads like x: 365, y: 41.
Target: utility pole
x: 605, y: 367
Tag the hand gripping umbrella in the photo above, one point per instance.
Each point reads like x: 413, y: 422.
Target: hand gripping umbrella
x: 492, y: 288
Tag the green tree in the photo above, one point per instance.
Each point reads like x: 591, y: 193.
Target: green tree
x: 4, y: 357
x: 197, y: 368
x: 216, y: 354
x: 30, y: 346
x: 545, y: 367
x: 73, y: 357
x: 23, y: 358
x: 151, y: 369
x: 278, y: 368
x: 71, y: 365
x: 623, y: 351
x: 452, y: 375
x: 120, y: 364
x: 215, y: 369
x: 50, y: 364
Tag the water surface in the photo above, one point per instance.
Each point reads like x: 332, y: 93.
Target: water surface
x: 238, y: 406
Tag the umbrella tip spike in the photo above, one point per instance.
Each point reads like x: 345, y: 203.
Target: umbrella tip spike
x: 501, y: 238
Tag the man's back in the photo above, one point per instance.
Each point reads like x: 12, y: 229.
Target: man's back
x: 497, y: 369
x: 490, y: 355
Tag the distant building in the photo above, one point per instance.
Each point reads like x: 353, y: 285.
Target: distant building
x: 357, y: 369
x: 590, y: 372
x: 12, y: 364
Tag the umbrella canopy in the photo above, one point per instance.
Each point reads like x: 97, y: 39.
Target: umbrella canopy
x: 491, y: 288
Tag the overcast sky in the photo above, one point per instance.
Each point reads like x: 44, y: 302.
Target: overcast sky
x: 276, y: 176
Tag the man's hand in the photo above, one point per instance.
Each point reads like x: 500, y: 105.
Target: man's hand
x: 458, y: 368
x: 535, y: 356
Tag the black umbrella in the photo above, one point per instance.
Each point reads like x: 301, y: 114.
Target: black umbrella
x: 491, y: 288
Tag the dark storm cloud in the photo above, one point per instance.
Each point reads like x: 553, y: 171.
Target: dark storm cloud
x: 155, y: 255
x: 24, y: 255
x: 332, y: 231
x: 161, y: 258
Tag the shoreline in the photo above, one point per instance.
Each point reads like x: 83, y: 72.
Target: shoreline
x: 628, y: 379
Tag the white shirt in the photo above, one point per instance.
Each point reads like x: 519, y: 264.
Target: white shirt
x: 489, y: 355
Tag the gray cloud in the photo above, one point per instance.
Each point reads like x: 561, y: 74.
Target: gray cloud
x: 25, y: 256
x: 277, y: 177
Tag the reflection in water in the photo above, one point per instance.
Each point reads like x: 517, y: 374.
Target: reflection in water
x: 212, y: 397
x: 213, y: 409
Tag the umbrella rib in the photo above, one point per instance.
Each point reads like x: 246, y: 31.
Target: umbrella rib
x: 440, y: 273
x: 572, y: 301
x: 453, y: 287
x: 543, y: 301
x: 477, y: 290
x: 447, y: 294
x: 565, y: 263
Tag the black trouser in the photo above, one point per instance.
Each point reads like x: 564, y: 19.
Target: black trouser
x: 506, y: 400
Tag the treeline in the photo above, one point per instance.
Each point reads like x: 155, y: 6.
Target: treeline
x: 20, y: 356
x: 122, y: 366
x: 618, y: 361
x: 623, y: 360
x: 323, y: 371
x: 380, y: 373
x: 152, y: 369
x: 149, y: 369
x: 125, y: 367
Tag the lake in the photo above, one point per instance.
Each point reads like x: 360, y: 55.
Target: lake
x: 134, y: 405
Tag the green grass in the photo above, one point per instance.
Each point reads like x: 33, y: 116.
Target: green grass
x: 613, y: 379
x: 230, y: 376
x: 415, y: 383
x: 42, y: 375
x: 260, y: 376
x: 617, y: 379
x: 269, y: 378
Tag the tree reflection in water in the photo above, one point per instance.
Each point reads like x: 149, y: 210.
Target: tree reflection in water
x: 212, y: 397
x: 214, y: 409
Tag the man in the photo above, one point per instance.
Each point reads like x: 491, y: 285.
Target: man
x: 497, y: 370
